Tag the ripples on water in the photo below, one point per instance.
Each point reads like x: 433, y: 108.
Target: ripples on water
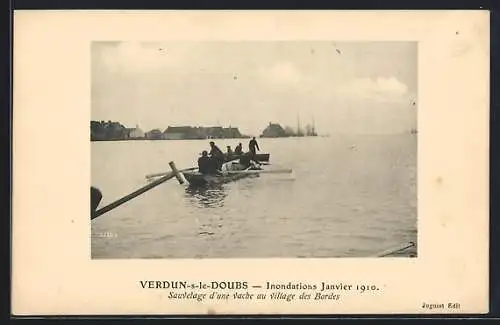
x: 347, y: 197
x: 207, y: 196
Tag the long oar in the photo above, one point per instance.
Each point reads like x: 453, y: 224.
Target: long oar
x: 174, y: 173
x: 184, y: 170
x: 165, y: 173
x: 275, y: 171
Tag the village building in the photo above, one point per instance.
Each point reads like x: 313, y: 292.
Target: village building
x: 101, y: 130
x: 184, y: 133
x: 214, y: 132
x: 231, y: 133
x: 176, y: 132
x: 273, y: 130
x: 135, y: 133
x: 154, y: 134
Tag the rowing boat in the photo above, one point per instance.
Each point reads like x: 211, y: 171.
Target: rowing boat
x: 231, y: 171
x: 264, y: 157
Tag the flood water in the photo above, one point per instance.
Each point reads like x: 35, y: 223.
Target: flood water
x: 348, y: 196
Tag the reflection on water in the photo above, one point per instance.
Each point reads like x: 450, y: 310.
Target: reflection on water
x: 209, y: 196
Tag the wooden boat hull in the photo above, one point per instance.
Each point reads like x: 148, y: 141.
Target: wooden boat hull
x: 198, y: 179
x: 264, y: 157
x: 195, y: 178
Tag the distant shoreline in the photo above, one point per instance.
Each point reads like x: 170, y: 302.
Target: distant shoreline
x: 147, y: 139
x: 260, y: 138
x: 210, y: 139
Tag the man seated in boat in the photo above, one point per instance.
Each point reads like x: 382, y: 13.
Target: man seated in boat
x: 206, y: 165
x: 239, y: 149
x: 217, y: 155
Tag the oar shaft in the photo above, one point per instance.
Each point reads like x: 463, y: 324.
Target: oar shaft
x: 156, y: 175
x: 132, y: 195
x: 276, y: 171
x: 111, y: 206
x: 165, y: 173
x: 176, y: 172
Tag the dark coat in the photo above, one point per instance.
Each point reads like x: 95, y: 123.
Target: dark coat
x: 205, y: 165
x: 216, y: 152
x: 253, y: 144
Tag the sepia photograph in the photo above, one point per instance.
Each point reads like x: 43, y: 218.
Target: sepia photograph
x: 253, y: 149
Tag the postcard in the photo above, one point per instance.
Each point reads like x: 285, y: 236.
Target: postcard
x: 250, y: 162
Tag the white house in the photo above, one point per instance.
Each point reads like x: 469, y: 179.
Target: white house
x: 135, y: 133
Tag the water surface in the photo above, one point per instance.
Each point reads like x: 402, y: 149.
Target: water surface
x: 348, y: 196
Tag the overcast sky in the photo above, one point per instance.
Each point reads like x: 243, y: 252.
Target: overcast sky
x: 360, y: 87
